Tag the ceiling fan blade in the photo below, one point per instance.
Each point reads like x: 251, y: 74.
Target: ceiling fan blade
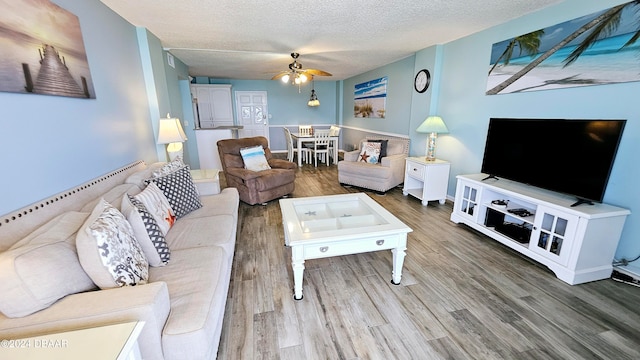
x: 316, y: 72
x: 278, y: 76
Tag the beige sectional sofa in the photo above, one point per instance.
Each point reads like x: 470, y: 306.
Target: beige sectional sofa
x: 182, y: 303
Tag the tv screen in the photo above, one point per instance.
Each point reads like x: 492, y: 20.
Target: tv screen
x: 569, y: 156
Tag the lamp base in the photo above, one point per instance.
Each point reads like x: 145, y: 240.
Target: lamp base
x: 431, y: 147
x: 174, y: 150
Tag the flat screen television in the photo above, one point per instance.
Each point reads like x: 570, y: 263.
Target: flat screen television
x: 569, y: 156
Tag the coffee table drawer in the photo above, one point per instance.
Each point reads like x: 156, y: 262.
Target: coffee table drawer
x: 350, y: 247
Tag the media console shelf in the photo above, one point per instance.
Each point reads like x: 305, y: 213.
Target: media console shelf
x: 577, y: 243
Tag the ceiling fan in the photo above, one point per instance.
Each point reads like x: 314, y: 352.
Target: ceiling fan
x: 296, y: 74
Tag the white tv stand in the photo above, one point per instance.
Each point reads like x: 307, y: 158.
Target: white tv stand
x: 577, y: 243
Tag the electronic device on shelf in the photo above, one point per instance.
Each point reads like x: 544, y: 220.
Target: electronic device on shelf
x: 569, y: 156
x: 500, y: 203
x: 520, y: 212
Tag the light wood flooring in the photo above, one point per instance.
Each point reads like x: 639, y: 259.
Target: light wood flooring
x: 462, y: 296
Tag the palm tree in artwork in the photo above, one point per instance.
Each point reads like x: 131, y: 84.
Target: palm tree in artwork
x: 527, y: 43
x: 601, y: 25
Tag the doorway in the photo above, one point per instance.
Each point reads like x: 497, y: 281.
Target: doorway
x: 252, y: 113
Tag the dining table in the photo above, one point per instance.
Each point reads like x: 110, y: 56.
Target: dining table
x: 300, y: 139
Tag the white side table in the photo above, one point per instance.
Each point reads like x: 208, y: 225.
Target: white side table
x: 119, y: 341
x: 426, y: 180
x: 207, y: 181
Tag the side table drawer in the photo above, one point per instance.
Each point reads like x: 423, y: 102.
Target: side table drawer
x: 414, y: 170
x: 350, y: 247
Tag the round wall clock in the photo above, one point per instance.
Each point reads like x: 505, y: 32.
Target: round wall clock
x: 422, y: 80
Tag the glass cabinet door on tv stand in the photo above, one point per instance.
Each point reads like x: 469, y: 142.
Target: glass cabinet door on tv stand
x: 553, y: 233
x: 467, y: 204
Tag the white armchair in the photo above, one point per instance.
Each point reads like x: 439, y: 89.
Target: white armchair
x: 380, y: 177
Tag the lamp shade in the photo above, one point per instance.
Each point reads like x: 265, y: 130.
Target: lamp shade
x: 170, y: 131
x: 433, y: 124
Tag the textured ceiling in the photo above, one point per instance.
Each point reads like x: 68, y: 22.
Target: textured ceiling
x: 240, y: 39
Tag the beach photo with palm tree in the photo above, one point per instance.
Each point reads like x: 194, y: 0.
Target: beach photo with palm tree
x: 596, y: 49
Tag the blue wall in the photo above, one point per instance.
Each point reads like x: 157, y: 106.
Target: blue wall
x: 397, y: 118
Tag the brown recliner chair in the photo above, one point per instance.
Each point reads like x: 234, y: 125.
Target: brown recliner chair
x: 256, y: 187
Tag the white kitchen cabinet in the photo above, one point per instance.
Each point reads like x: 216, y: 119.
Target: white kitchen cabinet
x: 212, y: 105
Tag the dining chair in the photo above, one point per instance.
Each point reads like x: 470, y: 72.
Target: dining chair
x: 305, y: 130
x: 333, y: 131
x: 320, y: 146
x: 289, y: 140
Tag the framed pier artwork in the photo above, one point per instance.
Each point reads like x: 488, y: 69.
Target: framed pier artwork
x: 41, y: 51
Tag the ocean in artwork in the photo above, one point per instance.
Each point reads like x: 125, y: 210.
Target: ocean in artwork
x: 605, y: 62
x: 370, y: 98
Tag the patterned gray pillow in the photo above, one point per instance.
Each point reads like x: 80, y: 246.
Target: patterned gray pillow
x: 108, y: 251
x: 147, y: 231
x: 179, y: 190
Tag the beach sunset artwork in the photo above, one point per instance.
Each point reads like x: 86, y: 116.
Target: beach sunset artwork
x: 370, y: 99
x: 42, y: 51
x: 596, y: 49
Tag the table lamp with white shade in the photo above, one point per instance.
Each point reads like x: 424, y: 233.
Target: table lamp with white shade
x: 433, y: 125
x: 170, y: 132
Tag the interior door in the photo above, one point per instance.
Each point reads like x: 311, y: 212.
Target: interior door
x: 252, y: 113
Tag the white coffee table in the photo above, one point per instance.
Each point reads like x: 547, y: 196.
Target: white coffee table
x: 334, y: 225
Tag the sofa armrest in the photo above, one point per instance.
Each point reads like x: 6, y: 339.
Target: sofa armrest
x: 148, y: 303
x: 282, y: 164
x: 393, y: 160
x: 352, y: 155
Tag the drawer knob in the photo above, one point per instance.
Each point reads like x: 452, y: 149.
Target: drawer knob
x: 379, y: 242
x: 324, y: 249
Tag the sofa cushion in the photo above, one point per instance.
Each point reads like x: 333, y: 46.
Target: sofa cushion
x: 254, y: 159
x: 146, y: 231
x: 108, y: 250
x: 217, y: 230
x: 157, y: 204
x: 198, y: 281
x: 180, y: 191
x: 274, y: 178
x: 370, y: 152
x: 43, y: 267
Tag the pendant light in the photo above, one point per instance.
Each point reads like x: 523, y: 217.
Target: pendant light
x: 313, y: 100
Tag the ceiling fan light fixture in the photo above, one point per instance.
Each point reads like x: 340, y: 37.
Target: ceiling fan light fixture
x: 285, y: 79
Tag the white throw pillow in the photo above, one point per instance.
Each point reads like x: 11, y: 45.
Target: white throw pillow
x: 146, y: 231
x: 169, y: 167
x: 43, y: 267
x: 108, y: 250
x: 157, y: 204
x: 370, y: 152
x: 254, y: 158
